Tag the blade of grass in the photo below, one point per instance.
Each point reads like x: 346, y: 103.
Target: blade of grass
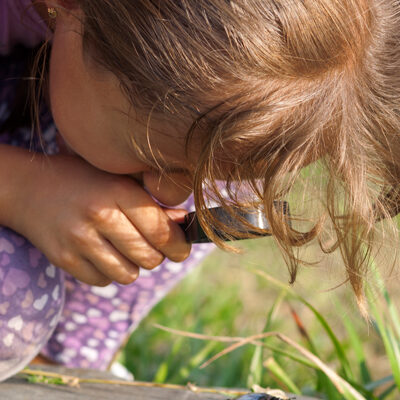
x: 294, y: 357
x: 195, y: 361
x: 162, y: 372
x: 256, y: 369
x: 356, y: 345
x: 281, y: 375
x: 302, y: 330
x: 322, y: 383
x: 394, y: 344
x: 389, y: 342
x: 345, y: 364
x: 375, y: 384
x: 256, y: 363
x: 391, y: 307
x: 348, y: 392
x: 326, y: 385
x: 387, y: 392
x: 330, y: 391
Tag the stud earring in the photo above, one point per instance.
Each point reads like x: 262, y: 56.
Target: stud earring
x: 52, y: 12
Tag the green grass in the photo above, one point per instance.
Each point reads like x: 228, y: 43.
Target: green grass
x: 226, y: 296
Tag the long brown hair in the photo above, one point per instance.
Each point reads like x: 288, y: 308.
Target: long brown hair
x: 273, y: 85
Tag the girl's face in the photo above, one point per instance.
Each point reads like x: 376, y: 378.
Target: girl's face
x: 96, y: 120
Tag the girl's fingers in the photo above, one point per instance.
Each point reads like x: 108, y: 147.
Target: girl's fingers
x: 109, y: 261
x: 155, y: 226
x: 83, y: 270
x: 127, y: 240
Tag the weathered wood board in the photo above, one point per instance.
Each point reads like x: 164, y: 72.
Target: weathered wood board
x: 18, y: 388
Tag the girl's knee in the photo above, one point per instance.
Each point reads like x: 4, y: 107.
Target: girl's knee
x: 31, y: 301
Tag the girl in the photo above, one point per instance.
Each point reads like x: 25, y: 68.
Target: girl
x: 124, y: 227
x: 153, y: 100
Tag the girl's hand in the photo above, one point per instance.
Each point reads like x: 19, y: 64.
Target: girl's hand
x: 97, y: 226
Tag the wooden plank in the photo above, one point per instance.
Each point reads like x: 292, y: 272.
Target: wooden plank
x: 18, y: 388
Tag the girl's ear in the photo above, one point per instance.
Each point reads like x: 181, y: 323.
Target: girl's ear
x: 42, y: 8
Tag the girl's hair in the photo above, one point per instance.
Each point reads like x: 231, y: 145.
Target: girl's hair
x: 272, y: 86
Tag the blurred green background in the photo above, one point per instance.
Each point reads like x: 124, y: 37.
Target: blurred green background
x: 226, y: 297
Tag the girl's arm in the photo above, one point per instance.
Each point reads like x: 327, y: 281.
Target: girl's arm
x: 97, y: 226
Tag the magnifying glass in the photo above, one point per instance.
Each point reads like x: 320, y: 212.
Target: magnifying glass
x: 254, y: 216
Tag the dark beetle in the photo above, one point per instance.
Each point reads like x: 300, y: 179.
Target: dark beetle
x: 258, y: 396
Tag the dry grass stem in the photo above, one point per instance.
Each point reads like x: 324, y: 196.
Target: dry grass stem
x: 200, y: 336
